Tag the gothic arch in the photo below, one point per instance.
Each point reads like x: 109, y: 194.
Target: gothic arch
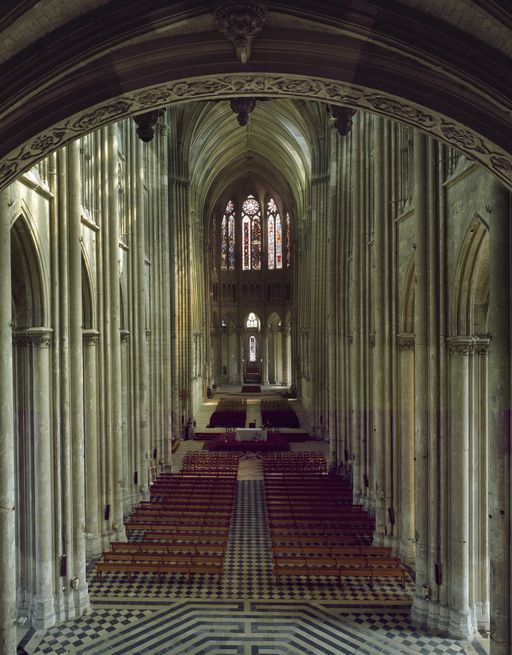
x: 88, y: 314
x: 108, y: 74
x: 407, y: 301
x: 471, y: 283
x: 29, y: 297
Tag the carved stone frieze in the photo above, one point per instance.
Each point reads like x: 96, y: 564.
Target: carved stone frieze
x: 241, y: 22
x: 271, y: 85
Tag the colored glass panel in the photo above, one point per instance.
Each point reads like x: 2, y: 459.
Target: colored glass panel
x: 271, y: 253
x: 279, y: 243
x: 252, y: 349
x: 231, y: 243
x: 246, y: 241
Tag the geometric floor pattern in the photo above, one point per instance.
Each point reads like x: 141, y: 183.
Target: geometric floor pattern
x: 246, y: 613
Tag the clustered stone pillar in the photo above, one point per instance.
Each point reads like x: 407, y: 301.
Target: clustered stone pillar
x: 460, y: 615
x: 43, y: 610
x: 92, y: 480
x: 499, y: 423
x: 407, y: 549
x: 421, y: 362
x: 7, y: 469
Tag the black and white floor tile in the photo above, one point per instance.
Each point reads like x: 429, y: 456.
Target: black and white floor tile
x: 246, y: 613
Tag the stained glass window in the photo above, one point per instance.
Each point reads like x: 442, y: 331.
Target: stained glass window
x: 271, y: 240
x: 224, y: 243
x: 274, y: 236
x: 227, y: 236
x: 288, y: 240
x: 251, y: 230
x: 246, y: 237
x: 252, y: 349
x: 231, y: 242
x: 252, y: 321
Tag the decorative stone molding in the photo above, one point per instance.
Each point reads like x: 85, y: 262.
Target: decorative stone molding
x: 270, y: 85
x: 40, y: 337
x: 460, y: 345
x: 91, y: 337
x: 342, y: 118
x: 406, y: 341
x: 241, y: 22
x: 146, y: 124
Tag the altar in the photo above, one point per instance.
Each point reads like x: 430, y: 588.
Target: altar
x: 251, y: 434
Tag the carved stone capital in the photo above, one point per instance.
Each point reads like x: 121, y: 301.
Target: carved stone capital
x: 460, y: 345
x: 482, y: 345
x: 40, y: 337
x: 146, y: 124
x: 240, y: 22
x: 406, y: 341
x: 91, y: 337
x: 20, y: 339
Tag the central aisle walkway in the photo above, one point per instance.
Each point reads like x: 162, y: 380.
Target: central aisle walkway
x: 246, y: 613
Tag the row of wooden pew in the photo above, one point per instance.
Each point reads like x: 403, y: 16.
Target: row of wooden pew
x: 294, y: 462
x: 183, y: 529
x: 317, y: 533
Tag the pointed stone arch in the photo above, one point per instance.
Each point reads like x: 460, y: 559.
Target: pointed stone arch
x: 29, y: 296
x: 470, y: 295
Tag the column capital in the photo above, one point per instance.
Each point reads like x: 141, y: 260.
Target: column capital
x: 91, y: 337
x: 20, y: 339
x: 125, y: 335
x: 40, y: 337
x: 461, y: 345
x: 406, y: 341
x: 482, y: 345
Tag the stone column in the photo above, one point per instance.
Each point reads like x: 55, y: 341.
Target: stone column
x: 92, y: 480
x: 481, y: 569
x: 419, y: 610
x: 406, y: 441
x: 7, y: 470
x: 460, y: 621
x: 285, y: 340
x: 265, y: 356
x: 81, y: 598
x: 42, y: 610
x: 240, y: 350
x: 118, y: 531
x: 499, y: 422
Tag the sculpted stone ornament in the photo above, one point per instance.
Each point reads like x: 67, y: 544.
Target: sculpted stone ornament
x: 242, y: 108
x: 241, y: 22
x: 343, y: 118
x: 146, y: 124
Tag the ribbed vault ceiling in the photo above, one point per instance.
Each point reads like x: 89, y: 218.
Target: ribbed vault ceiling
x: 275, y: 147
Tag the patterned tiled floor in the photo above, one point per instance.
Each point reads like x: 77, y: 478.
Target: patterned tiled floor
x: 246, y: 613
